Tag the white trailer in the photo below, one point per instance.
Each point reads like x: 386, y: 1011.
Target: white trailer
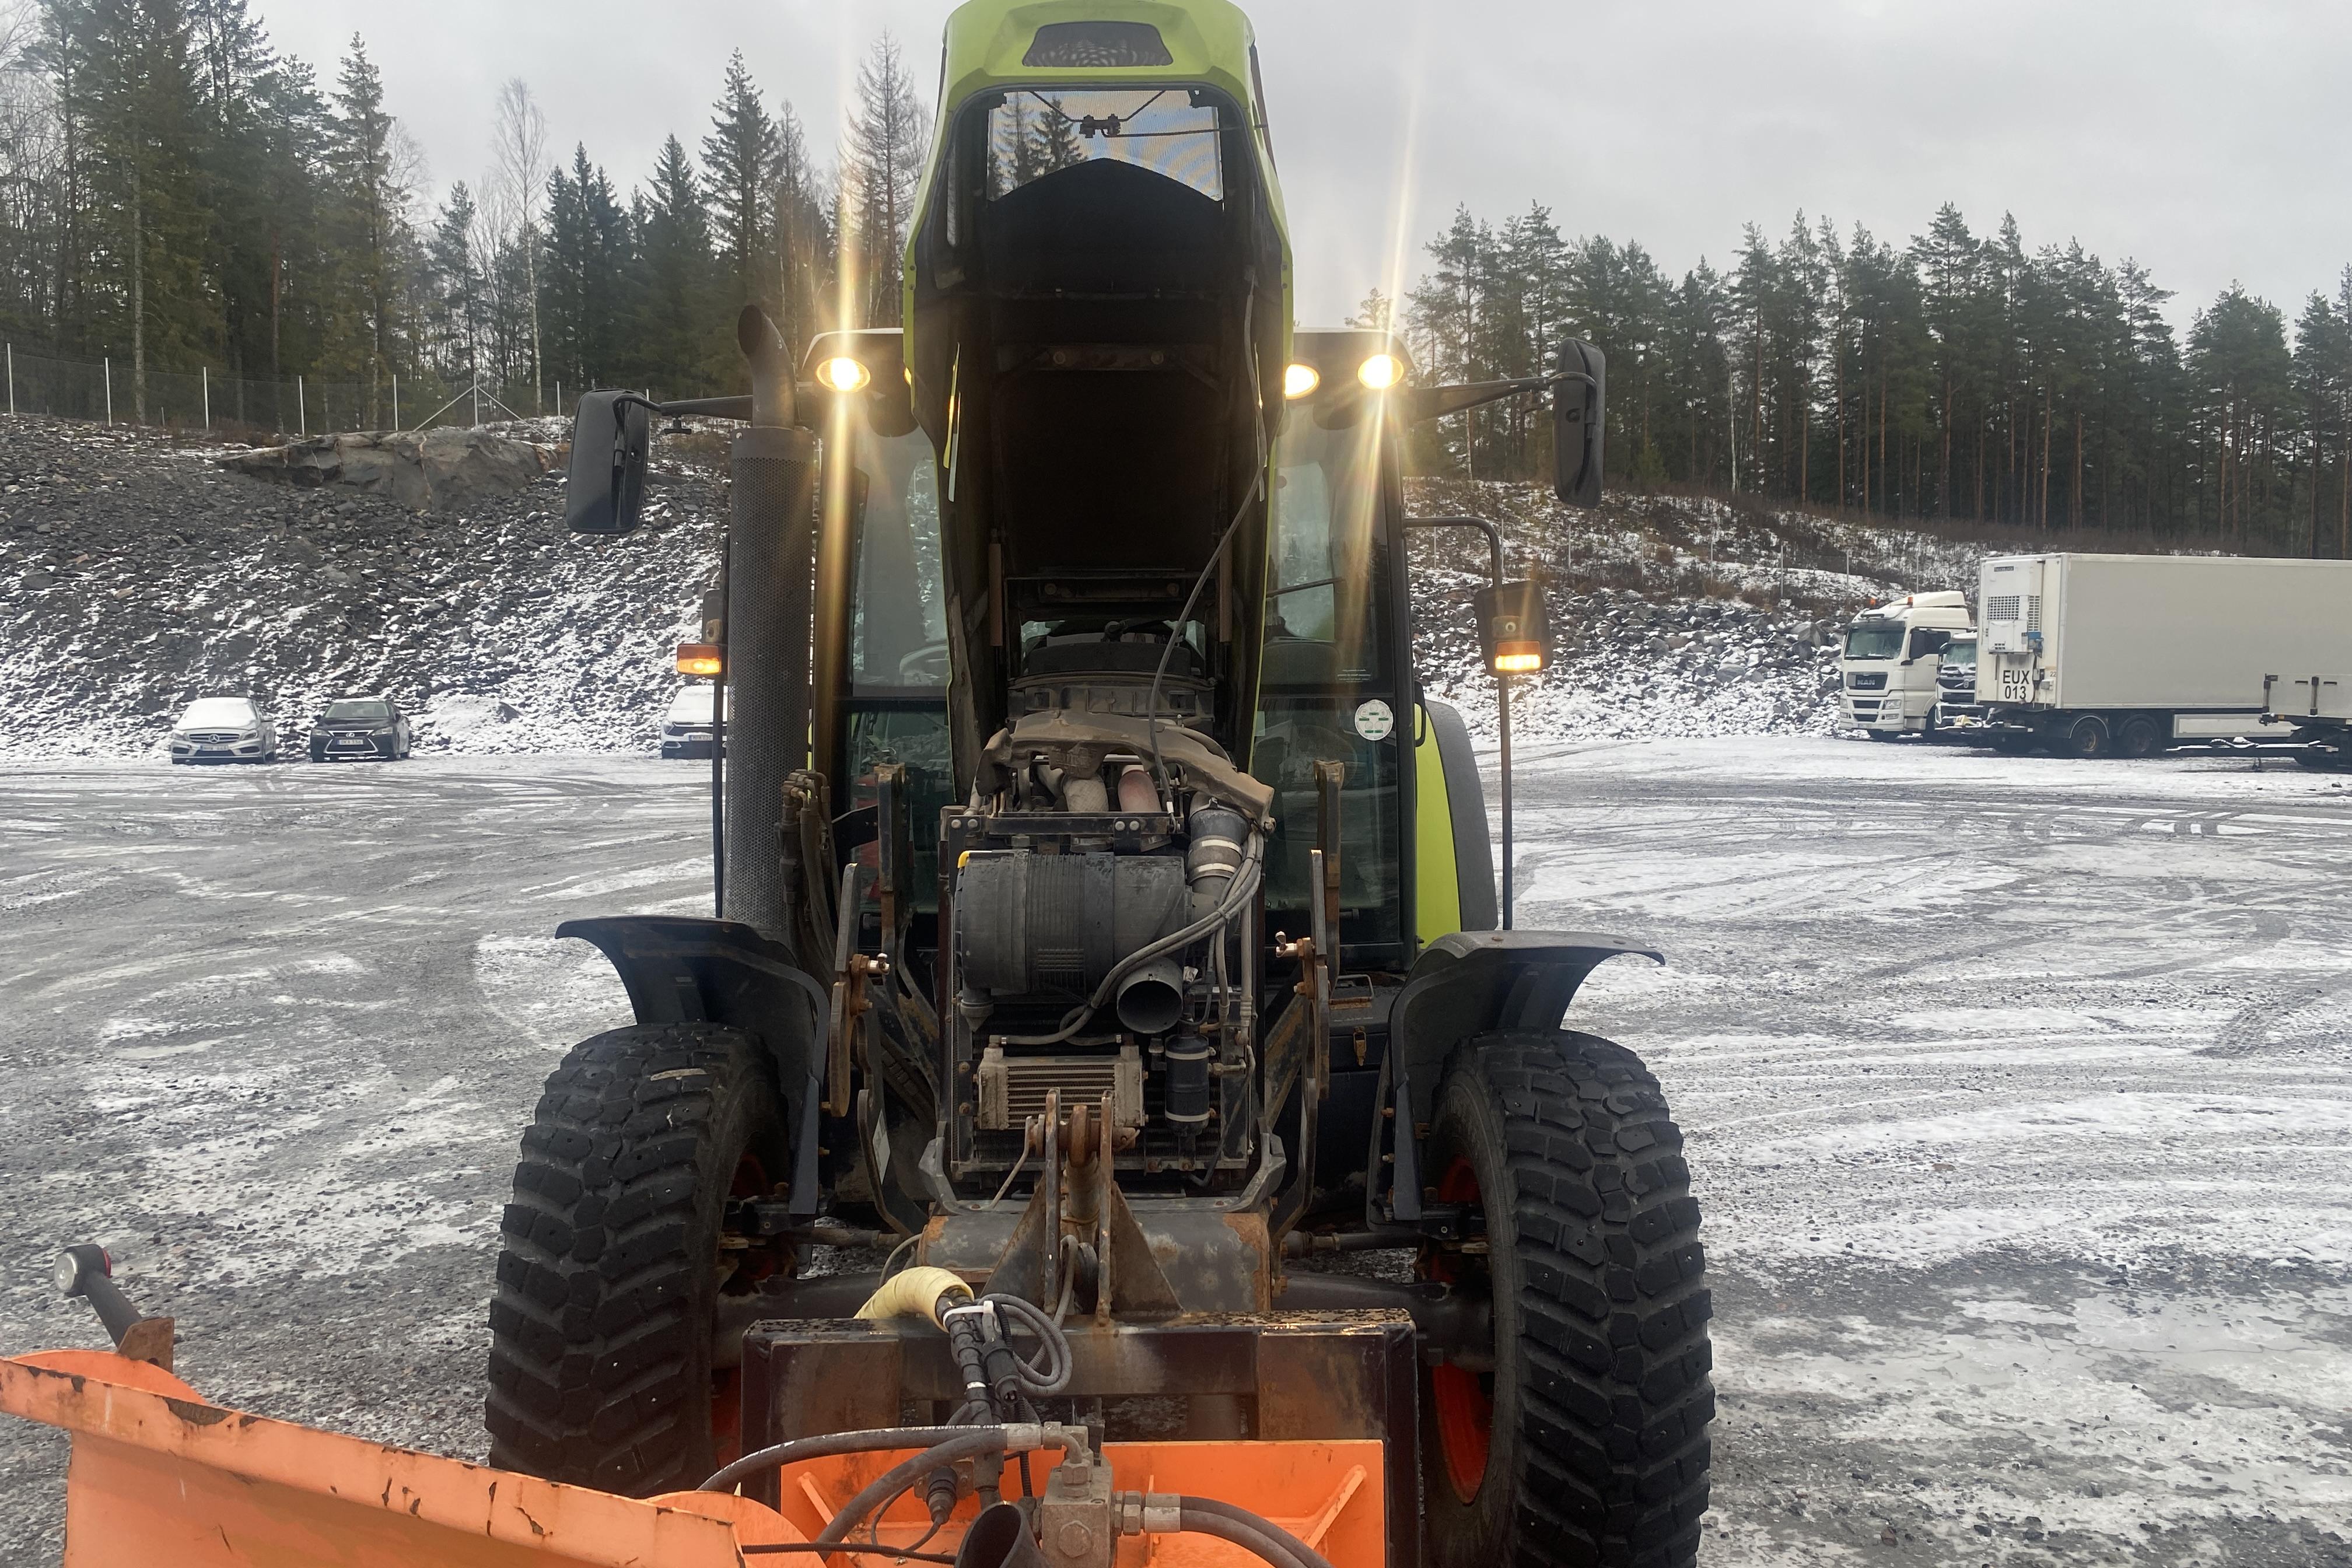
x: 2098, y: 655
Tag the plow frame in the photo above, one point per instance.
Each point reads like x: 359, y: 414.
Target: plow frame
x: 1326, y: 1380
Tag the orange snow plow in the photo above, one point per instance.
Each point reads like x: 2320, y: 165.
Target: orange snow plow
x: 161, y: 1477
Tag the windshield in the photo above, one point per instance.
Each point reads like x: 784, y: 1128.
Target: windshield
x: 898, y: 630
x: 1033, y: 134
x: 370, y: 712
x: 692, y: 705
x: 1875, y: 639
x: 1963, y: 653
x: 207, y: 711
x: 1327, y: 574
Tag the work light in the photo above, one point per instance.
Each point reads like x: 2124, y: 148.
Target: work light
x: 842, y: 374
x: 1301, y: 380
x: 1381, y: 372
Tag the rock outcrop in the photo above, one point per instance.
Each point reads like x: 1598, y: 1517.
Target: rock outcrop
x: 438, y: 470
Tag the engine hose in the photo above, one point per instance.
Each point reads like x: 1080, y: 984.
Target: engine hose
x: 825, y: 1446
x: 1247, y: 1537
x: 1238, y: 894
x: 1217, y: 1508
x: 966, y: 1444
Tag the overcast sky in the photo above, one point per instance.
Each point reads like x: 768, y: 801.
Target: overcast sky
x: 2208, y: 140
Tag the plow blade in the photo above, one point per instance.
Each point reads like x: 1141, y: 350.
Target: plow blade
x: 158, y: 1476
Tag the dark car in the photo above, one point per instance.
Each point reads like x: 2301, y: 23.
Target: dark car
x: 367, y: 729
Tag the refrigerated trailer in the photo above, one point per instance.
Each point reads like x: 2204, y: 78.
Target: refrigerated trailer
x: 2124, y: 654
x: 2320, y: 707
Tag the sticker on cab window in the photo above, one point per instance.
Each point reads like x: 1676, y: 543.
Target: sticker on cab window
x: 1374, y: 720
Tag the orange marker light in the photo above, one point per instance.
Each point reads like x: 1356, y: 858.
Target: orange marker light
x: 1519, y: 658
x: 699, y: 659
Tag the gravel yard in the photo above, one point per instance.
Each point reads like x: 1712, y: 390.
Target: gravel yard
x: 2017, y: 1094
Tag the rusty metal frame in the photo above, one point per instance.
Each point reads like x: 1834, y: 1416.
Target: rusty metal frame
x: 1324, y: 1374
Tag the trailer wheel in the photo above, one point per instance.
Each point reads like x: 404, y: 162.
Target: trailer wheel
x: 1586, y: 1443
x: 2139, y: 738
x: 617, y: 1253
x: 2087, y: 737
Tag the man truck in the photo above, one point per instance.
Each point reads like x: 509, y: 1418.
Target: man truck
x: 2094, y: 655
x: 1887, y: 672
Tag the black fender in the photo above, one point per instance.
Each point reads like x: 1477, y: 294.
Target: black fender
x: 681, y: 969
x: 1477, y: 983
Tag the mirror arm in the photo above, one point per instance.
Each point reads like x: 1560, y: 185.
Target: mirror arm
x: 1437, y: 402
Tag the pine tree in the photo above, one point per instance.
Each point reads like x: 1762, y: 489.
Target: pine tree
x: 882, y: 154
x: 454, y: 275
x: 373, y: 241
x: 582, y: 284
x: 739, y: 158
x: 677, y: 324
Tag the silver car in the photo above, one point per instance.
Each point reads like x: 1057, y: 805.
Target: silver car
x: 224, y: 729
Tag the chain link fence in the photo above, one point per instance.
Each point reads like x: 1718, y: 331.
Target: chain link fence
x: 108, y: 391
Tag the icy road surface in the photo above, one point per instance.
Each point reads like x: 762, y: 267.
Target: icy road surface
x: 2019, y: 1092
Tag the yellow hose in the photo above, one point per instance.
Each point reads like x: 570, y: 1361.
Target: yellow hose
x: 914, y: 1293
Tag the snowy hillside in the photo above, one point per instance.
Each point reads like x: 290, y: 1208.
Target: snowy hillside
x: 136, y: 575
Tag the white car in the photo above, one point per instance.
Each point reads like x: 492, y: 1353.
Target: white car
x: 224, y: 729
x: 688, y: 727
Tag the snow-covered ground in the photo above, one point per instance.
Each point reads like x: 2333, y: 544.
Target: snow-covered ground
x: 2017, y: 1094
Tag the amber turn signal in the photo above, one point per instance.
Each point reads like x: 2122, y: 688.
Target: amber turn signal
x: 699, y: 659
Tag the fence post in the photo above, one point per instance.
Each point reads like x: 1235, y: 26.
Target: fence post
x: 395, y: 404
x: 477, y: 393
x: 559, y: 399
x: 301, y: 408
x: 205, y: 371
x: 11, y: 379
x: 107, y: 366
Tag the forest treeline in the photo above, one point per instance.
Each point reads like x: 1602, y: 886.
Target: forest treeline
x: 1956, y: 376
x: 174, y: 191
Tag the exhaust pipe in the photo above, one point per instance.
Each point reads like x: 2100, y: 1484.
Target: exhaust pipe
x: 770, y: 552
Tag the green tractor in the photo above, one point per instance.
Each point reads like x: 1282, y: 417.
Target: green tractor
x: 1106, y: 922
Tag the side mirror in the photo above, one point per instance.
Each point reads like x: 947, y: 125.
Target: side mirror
x: 605, y: 489
x: 1579, y: 405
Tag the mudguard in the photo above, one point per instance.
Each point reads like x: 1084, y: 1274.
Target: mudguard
x: 1476, y: 983
x: 681, y: 969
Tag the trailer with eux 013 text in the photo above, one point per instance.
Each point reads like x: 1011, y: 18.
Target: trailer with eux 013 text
x: 2127, y: 655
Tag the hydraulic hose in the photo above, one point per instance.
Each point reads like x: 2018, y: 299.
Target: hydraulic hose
x: 967, y: 1443
x: 1193, y: 1509
x: 824, y: 1447
x: 1247, y: 1537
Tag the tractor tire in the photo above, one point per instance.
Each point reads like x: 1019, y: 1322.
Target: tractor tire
x: 1586, y: 1445
x: 615, y: 1254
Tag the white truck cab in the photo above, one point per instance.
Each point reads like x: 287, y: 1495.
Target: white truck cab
x: 1886, y: 672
